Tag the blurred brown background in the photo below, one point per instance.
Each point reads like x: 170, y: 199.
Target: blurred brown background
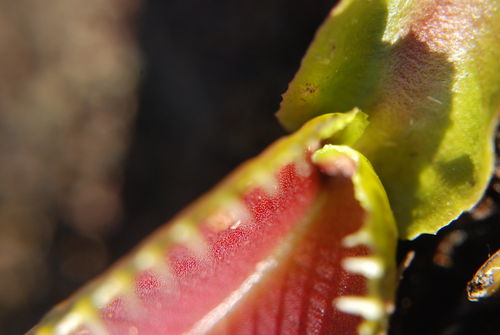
x: 114, y: 114
x: 68, y: 81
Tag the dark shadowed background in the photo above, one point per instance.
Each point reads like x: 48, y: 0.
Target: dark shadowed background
x: 165, y: 125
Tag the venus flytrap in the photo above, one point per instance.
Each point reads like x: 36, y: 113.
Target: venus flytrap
x: 270, y: 260
x: 302, y: 238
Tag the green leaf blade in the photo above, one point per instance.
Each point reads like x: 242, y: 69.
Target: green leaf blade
x: 433, y: 76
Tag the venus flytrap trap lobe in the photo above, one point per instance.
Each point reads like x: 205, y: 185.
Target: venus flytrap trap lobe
x: 301, y: 258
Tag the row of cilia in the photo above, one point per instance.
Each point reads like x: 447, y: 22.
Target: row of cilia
x: 302, y: 239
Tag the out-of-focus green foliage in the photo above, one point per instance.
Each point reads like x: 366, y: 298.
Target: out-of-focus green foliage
x: 427, y: 74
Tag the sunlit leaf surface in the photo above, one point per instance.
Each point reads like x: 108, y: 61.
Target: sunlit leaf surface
x: 427, y: 74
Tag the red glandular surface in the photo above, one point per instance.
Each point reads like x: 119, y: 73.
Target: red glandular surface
x: 274, y: 269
